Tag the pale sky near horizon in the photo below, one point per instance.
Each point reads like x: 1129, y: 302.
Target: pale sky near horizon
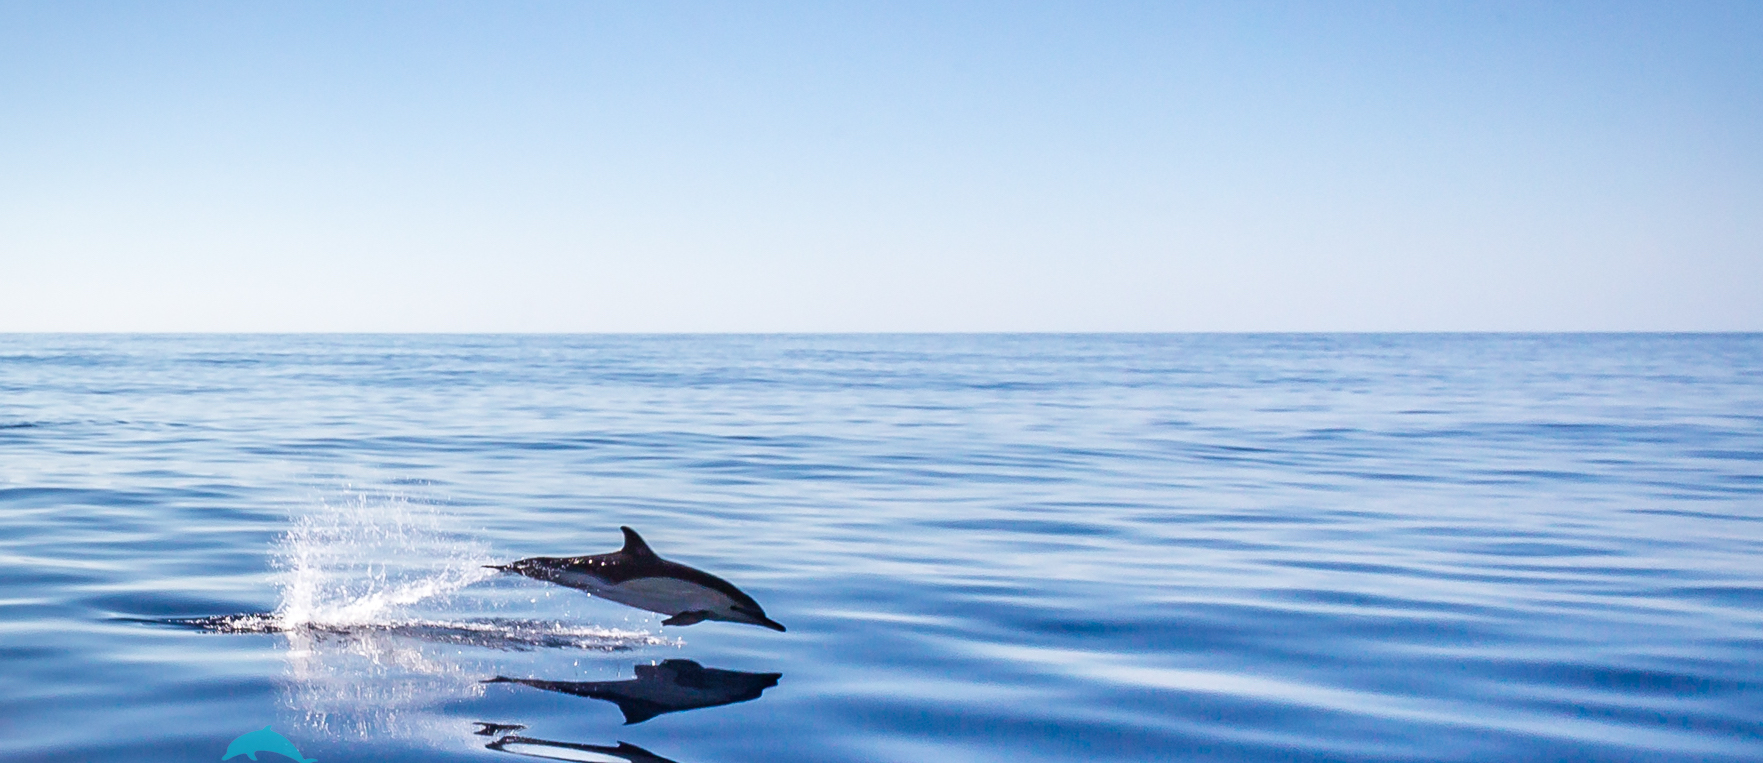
x: 583, y: 166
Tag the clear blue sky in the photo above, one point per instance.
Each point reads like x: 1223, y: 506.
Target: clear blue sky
x: 1085, y: 166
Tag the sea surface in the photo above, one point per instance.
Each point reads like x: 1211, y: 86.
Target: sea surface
x: 1001, y: 548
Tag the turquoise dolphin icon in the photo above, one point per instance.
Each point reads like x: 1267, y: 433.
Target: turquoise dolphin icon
x: 263, y: 740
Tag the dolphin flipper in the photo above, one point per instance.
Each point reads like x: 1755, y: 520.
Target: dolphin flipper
x: 636, y: 710
x: 687, y: 618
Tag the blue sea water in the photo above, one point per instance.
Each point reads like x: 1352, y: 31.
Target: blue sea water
x: 986, y: 548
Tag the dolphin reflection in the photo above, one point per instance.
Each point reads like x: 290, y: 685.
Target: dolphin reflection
x: 624, y: 750
x: 672, y: 686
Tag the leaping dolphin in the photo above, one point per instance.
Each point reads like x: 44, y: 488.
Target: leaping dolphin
x: 636, y: 577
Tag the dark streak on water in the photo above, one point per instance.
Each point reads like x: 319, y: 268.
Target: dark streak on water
x: 987, y: 548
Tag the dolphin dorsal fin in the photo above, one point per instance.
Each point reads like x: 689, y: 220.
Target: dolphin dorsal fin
x: 633, y: 544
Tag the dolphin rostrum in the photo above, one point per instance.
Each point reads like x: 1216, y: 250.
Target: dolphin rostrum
x: 635, y: 576
x: 264, y: 740
x: 672, y: 686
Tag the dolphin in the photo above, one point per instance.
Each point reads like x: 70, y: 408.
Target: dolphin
x: 625, y: 750
x: 264, y: 740
x: 672, y: 686
x: 636, y: 577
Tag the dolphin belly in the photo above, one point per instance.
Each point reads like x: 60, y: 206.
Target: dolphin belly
x: 668, y: 596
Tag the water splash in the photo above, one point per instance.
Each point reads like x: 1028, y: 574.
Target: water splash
x: 364, y: 561
x: 384, y: 625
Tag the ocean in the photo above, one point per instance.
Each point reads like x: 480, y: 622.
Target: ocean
x: 1000, y: 548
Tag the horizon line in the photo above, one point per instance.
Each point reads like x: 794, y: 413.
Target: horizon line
x: 1417, y: 332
